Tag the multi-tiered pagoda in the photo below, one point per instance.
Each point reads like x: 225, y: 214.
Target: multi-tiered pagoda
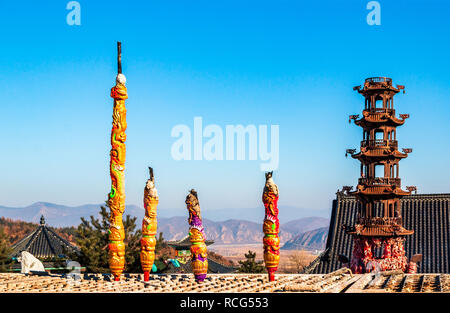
x: 378, y: 232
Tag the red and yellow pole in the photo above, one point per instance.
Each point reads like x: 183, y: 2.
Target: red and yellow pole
x: 149, y: 225
x: 197, y: 237
x: 271, y: 227
x: 116, y: 198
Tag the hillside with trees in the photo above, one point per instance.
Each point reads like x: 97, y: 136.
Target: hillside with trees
x: 15, y: 230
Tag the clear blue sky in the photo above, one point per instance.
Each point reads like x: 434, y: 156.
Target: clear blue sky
x: 290, y: 63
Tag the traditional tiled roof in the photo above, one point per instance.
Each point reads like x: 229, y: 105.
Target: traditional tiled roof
x: 43, y: 243
x: 185, y: 243
x: 427, y: 214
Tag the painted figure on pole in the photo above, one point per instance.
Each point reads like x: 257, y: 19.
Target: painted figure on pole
x: 149, y: 225
x: 116, y: 198
x: 271, y: 226
x: 197, y: 237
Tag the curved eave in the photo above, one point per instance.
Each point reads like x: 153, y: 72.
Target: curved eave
x: 375, y: 88
x: 377, y: 232
x: 370, y: 123
x: 399, y: 155
x: 362, y: 156
x: 399, y: 191
x: 389, y: 190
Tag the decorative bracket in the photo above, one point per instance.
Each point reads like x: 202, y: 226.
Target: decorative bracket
x: 411, y: 189
x: 347, y: 189
x: 404, y: 116
x: 407, y: 150
x: 400, y: 87
x: 353, y: 117
x: 350, y: 151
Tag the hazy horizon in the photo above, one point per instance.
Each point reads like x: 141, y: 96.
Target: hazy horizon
x: 71, y: 214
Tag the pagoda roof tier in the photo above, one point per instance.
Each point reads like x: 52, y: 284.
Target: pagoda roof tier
x: 383, y: 153
x: 378, y: 230
x: 379, y: 186
x: 375, y: 84
x: 380, y: 116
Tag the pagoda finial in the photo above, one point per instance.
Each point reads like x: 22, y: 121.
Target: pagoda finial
x: 42, y: 220
x: 119, y: 57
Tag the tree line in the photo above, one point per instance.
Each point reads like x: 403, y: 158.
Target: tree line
x: 92, y: 239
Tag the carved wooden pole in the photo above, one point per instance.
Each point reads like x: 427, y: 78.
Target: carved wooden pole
x: 116, y: 198
x: 149, y: 225
x: 197, y: 238
x: 271, y: 227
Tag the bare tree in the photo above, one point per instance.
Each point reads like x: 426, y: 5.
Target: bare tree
x: 299, y: 259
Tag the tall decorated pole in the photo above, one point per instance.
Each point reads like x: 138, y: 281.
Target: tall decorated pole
x: 271, y: 226
x: 149, y: 225
x: 197, y: 237
x: 116, y: 198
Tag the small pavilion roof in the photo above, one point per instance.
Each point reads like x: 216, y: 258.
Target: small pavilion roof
x: 185, y: 243
x: 43, y: 243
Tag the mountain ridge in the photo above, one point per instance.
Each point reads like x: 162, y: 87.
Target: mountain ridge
x: 229, y: 231
x: 313, y: 239
x: 58, y: 214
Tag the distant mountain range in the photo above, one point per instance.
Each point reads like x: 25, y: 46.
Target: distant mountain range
x: 237, y: 231
x: 313, y: 239
x: 287, y: 213
x: 58, y: 215
x: 61, y: 215
x: 228, y: 231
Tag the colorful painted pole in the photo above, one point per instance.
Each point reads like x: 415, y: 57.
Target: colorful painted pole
x: 116, y: 198
x: 149, y: 225
x: 271, y: 227
x: 197, y: 238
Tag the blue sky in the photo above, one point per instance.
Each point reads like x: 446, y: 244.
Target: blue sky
x: 289, y: 63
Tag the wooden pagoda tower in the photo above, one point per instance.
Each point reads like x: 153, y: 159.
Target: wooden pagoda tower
x: 378, y: 231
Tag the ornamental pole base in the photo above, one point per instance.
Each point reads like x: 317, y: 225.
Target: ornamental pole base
x: 200, y: 268
x: 146, y: 276
x: 116, y: 258
x: 272, y: 273
x: 147, y: 254
x: 199, y: 278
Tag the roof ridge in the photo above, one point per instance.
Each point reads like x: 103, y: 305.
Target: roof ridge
x: 49, y: 242
x: 23, y: 239
x: 55, y: 234
x: 33, y: 238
